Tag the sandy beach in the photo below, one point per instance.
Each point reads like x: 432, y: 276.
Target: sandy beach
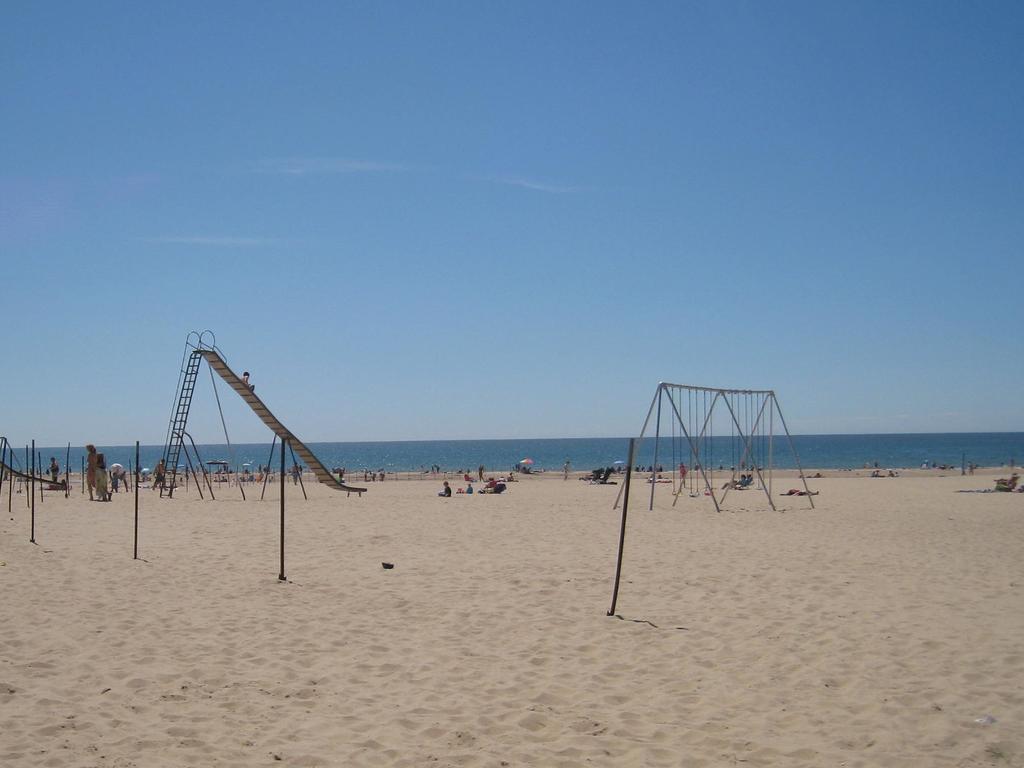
x: 874, y: 630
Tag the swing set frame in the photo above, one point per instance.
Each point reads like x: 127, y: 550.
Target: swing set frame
x: 751, y: 418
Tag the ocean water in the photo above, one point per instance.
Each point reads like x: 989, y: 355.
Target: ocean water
x: 815, y: 451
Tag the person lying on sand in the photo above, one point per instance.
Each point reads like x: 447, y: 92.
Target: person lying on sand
x: 1007, y: 484
x: 798, y: 492
x: 493, y: 486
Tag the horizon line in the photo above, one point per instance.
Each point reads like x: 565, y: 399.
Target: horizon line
x: 779, y: 435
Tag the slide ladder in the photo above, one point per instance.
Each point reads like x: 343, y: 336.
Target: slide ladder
x: 179, y: 417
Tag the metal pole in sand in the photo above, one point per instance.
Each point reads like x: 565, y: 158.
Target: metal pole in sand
x: 10, y: 480
x: 135, y: 551
x: 39, y: 465
x: 280, y: 576
x: 83, y: 475
x: 32, y: 482
x: 10, y: 477
x: 3, y: 464
x: 622, y: 526
x: 67, y: 473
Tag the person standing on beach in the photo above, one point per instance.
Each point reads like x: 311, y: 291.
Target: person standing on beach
x: 101, y: 478
x: 158, y: 474
x: 54, y: 469
x: 565, y: 470
x: 90, y: 469
x: 480, y: 473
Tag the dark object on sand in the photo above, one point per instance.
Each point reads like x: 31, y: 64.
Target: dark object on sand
x: 387, y: 566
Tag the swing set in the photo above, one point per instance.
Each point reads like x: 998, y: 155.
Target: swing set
x: 693, y: 413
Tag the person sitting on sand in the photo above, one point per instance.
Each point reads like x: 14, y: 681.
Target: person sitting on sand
x: 1007, y: 485
x: 469, y: 487
x: 493, y: 486
x: 446, y: 490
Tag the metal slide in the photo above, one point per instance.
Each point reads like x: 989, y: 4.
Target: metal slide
x: 28, y: 477
x: 235, y: 382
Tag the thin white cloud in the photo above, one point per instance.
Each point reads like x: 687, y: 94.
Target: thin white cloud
x: 538, y: 186
x: 879, y: 417
x: 307, y: 166
x: 223, y: 242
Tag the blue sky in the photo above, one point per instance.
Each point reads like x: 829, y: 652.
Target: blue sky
x: 459, y: 220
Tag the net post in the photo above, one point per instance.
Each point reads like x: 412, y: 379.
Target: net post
x: 280, y: 576
x: 32, y: 483
x: 3, y: 463
x: 622, y: 526
x: 135, y: 550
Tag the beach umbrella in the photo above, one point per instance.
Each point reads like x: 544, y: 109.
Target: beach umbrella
x: 526, y: 461
x: 620, y: 461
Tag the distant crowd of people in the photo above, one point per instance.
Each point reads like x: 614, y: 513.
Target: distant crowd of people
x: 493, y: 485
